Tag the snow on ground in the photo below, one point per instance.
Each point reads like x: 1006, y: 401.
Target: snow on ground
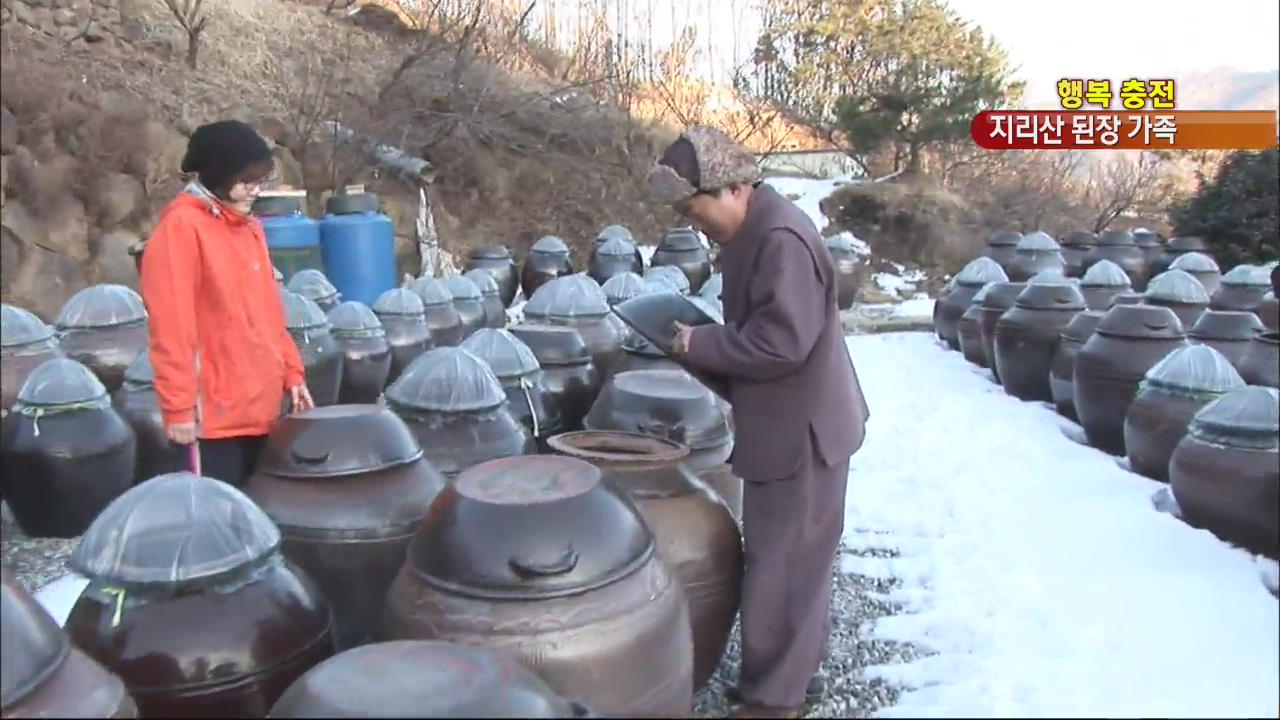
x: 1036, y: 567
x: 810, y: 193
x: 920, y: 306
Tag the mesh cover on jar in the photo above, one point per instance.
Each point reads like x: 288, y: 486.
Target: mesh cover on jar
x: 1248, y: 276
x: 981, y: 271
x: 615, y: 231
x: 1038, y: 242
x: 1105, y: 273
x: 1177, y: 286
x: 1196, y: 367
x: 506, y: 354
x: 60, y: 383
x: 550, y: 245
x: 462, y: 288
x: 483, y: 280
x: 447, y: 379
x: 1247, y: 416
x: 301, y: 313
x: 102, y: 306
x: 399, y: 301
x: 569, y: 296
x: 617, y: 247
x: 312, y: 284
x: 354, y: 318
x: 432, y: 291
x: 1051, y: 277
x: 21, y: 331
x: 669, y: 275
x: 1194, y: 262
x: 623, y: 286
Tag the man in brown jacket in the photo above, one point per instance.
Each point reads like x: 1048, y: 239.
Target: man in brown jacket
x: 798, y: 410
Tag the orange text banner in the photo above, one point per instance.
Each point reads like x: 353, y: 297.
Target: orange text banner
x: 1124, y: 130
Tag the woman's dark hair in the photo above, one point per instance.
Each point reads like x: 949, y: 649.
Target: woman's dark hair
x: 220, y: 153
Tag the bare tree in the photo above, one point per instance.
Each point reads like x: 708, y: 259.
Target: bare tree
x: 1128, y: 184
x: 191, y: 15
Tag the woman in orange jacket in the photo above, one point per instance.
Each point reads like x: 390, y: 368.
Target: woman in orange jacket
x: 222, y: 355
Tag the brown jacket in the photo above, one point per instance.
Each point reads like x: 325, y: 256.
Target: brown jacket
x: 782, y: 346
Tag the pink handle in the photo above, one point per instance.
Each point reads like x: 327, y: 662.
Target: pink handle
x: 194, y: 451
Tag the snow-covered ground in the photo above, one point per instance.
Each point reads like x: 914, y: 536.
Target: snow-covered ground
x: 1037, y: 568
x: 807, y: 193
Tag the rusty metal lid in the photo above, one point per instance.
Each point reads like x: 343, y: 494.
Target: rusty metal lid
x: 491, y: 251
x: 506, y: 354
x: 670, y: 276
x: 462, y: 287
x: 1080, y: 239
x: 553, y: 345
x: 1142, y: 322
x: 622, y: 287
x: 1049, y: 295
x: 58, y: 383
x: 1002, y: 295
x: 1080, y: 327
x: 615, y: 231
x: 681, y: 240
x: 980, y: 271
x: 616, y: 247
x: 1194, y: 368
x: 32, y: 646
x: 302, y: 313
x: 20, y: 327
x: 102, y: 306
x: 1117, y: 237
x: 1247, y: 417
x: 568, y: 296
x: 1187, y: 243
x: 1177, y: 286
x: 550, y: 245
x: 1194, y: 262
x: 1005, y: 238
x: 447, y: 379
x: 668, y: 404
x: 421, y: 678
x: 400, y: 302
x: 1226, y: 325
x: 312, y: 284
x: 432, y: 291
x: 338, y: 441
x: 529, y: 527
x: 353, y: 318
x: 484, y: 280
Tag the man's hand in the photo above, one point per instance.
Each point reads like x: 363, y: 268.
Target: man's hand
x: 683, y: 336
x: 301, y: 398
x: 181, y: 433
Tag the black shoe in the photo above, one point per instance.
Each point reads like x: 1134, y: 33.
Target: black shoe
x: 814, y: 693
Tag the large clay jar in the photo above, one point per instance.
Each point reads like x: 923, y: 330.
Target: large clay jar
x: 321, y: 356
x: 1027, y: 335
x: 43, y: 674
x: 192, y: 604
x: 457, y: 409
x: 495, y: 312
x: 1225, y: 474
x: 1268, y: 311
x: 137, y: 403
x: 548, y: 259
x: 849, y: 269
x: 697, y: 536
x: 1201, y: 267
x: 1062, y: 369
x: 1180, y: 292
x: 314, y: 286
x: 569, y: 375
x: 468, y: 301
x: 622, y: 287
x: 346, y: 485
x: 667, y: 277
x: 1102, y: 282
x: 538, y: 558
x: 1173, y: 391
x: 1178, y: 246
x: 612, y: 257
x: 1003, y: 248
x: 682, y: 248
x: 104, y: 328
x: 366, y: 353
x: 25, y: 343
x: 448, y: 329
x: 672, y: 405
x: 968, y: 282
x: 969, y: 329
x: 66, y: 452
x: 1119, y: 247
x: 1229, y: 332
x: 422, y: 679
x: 516, y: 367
x: 1261, y: 362
x: 498, y: 261
x: 1076, y: 246
x: 1152, y: 246
x: 1242, y: 288
x: 578, y: 302
x: 1127, y: 343
x: 1035, y: 253
x: 999, y: 298
x: 404, y: 320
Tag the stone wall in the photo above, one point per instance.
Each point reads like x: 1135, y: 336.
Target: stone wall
x: 93, y: 21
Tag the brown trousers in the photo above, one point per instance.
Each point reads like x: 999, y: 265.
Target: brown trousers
x: 791, y: 528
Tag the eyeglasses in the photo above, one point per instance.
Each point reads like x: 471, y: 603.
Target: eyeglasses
x: 265, y: 183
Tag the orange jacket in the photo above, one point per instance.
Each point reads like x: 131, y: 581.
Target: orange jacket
x: 218, y: 335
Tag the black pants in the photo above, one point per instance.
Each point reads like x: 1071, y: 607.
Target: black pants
x: 230, y: 460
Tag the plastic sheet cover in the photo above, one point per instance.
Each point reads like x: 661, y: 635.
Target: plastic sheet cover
x: 1245, y: 275
x: 102, y: 306
x: 506, y: 354
x: 981, y: 295
x: 462, y: 288
x: 312, y: 284
x: 617, y: 247
x: 1198, y: 368
x: 569, y: 296
x: 61, y: 382
x: 483, y: 280
x: 1050, y: 277
x: 447, y: 379
x: 432, y: 291
x: 1177, y: 286
x: 623, y: 286
x: 19, y: 328
x: 140, y: 374
x: 301, y: 313
x: 550, y: 245
x: 352, y: 317
x: 399, y: 301
x: 615, y: 231
x: 1105, y: 273
x: 1116, y: 237
x: 713, y: 287
x: 980, y: 271
x: 1195, y: 262
x: 670, y: 276
x: 1038, y: 242
x: 1248, y: 416
x: 175, y: 528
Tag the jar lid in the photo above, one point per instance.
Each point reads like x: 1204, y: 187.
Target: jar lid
x: 354, y: 318
x: 1038, y: 241
x: 301, y: 313
x: 681, y: 240
x: 32, y: 646
x: 61, y: 382
x: 670, y: 276
x: 669, y: 404
x: 553, y: 345
x: 1197, y: 368
x: 1116, y: 237
x: 1177, y: 286
x: 1002, y: 295
x: 447, y: 379
x: 312, y: 285
x: 21, y: 327
x: 338, y: 441
x: 1226, y: 325
x: 1080, y: 327
x: 1188, y: 243
x: 462, y: 288
x: 432, y: 291
x: 1051, y: 296
x: 506, y: 354
x: 1141, y: 322
x: 1193, y: 261
x: 491, y: 251
x: 101, y: 306
x: 614, y: 231
x: 980, y: 271
x: 616, y: 247
x: 1247, y: 275
x: 568, y: 296
x: 1005, y: 238
x: 1246, y: 417
x: 1106, y: 273
x: 550, y: 245
x: 623, y: 286
x: 484, y: 280
x: 399, y: 301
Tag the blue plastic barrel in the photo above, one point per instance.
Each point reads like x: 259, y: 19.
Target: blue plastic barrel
x: 293, y: 239
x: 359, y: 247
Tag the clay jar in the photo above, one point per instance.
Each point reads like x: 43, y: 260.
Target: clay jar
x: 1027, y: 336
x: 321, y: 356
x: 1102, y: 283
x: 848, y: 266
x: 366, y: 353
x: 425, y: 679
x: 578, y: 302
x: 538, y: 558
x: 1076, y: 246
x: 548, y: 259
x: 998, y: 300
x: 495, y: 312
x: 1129, y: 341
x: 314, y: 286
x: 404, y: 320
x: 1002, y: 247
x: 498, y: 261
x: 1201, y: 267
x: 968, y: 282
x: 458, y: 410
x: 571, y: 379
x: 1152, y: 246
x: 1261, y: 362
x: 1178, y: 246
x: 468, y: 301
x: 697, y: 536
x: 1180, y: 292
x: 104, y: 327
x: 1229, y: 332
x: 969, y: 329
x: 44, y: 675
x: 1172, y: 393
x: 682, y: 248
x: 1241, y: 288
x: 622, y: 287
x: 1035, y: 253
x: 25, y: 343
x: 1061, y: 370
x: 1225, y: 474
x: 66, y: 452
x: 346, y: 485
x: 1119, y: 247
x: 137, y: 404
x: 191, y: 603
x: 612, y: 257
x: 446, y: 324
x: 518, y: 370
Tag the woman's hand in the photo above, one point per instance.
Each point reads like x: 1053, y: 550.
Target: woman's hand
x: 181, y: 433
x: 301, y: 398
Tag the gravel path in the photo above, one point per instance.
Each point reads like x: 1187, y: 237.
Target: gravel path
x: 34, y: 561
